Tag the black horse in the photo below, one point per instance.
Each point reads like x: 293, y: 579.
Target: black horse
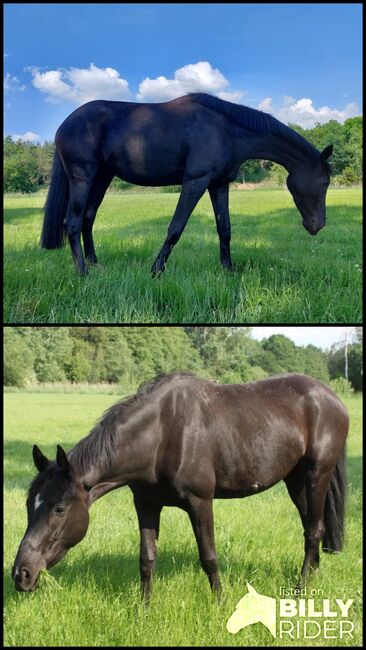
x: 183, y: 441
x: 198, y: 140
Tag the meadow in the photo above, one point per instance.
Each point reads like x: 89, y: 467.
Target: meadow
x: 96, y: 601
x: 282, y: 274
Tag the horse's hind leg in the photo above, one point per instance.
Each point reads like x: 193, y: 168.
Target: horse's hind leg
x: 79, y: 192
x: 192, y: 190
x: 317, y: 478
x: 220, y: 203
x: 295, y: 483
x: 96, y: 195
x: 201, y: 516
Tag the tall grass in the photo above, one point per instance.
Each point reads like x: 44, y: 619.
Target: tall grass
x: 258, y: 540
x: 282, y: 274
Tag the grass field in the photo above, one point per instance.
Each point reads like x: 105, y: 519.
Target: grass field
x: 282, y: 274
x: 97, y: 598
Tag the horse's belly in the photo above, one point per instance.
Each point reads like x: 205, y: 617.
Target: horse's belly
x: 157, y: 179
x: 243, y: 490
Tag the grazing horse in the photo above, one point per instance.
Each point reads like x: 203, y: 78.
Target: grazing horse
x: 183, y: 441
x: 197, y: 140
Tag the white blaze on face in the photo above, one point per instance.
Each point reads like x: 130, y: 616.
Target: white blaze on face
x: 37, y: 502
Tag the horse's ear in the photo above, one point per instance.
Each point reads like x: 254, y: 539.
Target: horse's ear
x: 251, y: 589
x: 326, y: 153
x: 61, y: 460
x: 40, y: 460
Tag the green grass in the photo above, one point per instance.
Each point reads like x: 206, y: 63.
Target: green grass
x: 96, y: 599
x: 282, y: 274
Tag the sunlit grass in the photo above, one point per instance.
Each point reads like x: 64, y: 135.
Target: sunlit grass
x: 97, y: 600
x: 282, y: 274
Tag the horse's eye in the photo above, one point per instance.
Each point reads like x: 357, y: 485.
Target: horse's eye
x: 60, y: 510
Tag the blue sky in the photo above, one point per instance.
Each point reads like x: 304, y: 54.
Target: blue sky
x: 300, y: 62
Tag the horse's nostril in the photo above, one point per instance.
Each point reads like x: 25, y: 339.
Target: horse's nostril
x: 25, y: 573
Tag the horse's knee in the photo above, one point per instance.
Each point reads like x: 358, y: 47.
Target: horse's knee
x: 225, y: 235
x: 89, y: 215
x: 147, y: 564
x: 73, y: 228
x: 315, y: 534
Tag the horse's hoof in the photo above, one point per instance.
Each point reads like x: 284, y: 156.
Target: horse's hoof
x: 227, y: 266
x: 157, y: 269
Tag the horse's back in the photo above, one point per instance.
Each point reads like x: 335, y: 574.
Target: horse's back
x: 240, y: 439
x: 148, y: 143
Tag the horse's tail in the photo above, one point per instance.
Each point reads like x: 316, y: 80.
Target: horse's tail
x: 53, y: 230
x: 334, y: 507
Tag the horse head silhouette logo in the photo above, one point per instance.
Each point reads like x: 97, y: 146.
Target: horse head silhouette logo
x: 253, y: 608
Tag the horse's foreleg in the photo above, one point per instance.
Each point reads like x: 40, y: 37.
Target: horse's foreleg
x: 149, y: 520
x: 96, y: 195
x: 201, y: 516
x: 192, y: 190
x: 220, y: 203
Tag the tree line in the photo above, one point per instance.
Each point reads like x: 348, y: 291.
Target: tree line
x: 131, y: 355
x: 27, y: 166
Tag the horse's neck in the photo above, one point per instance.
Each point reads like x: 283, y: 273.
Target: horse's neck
x: 269, y: 146
x: 131, y: 458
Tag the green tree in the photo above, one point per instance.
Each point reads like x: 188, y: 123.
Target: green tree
x: 52, y: 348
x: 284, y: 352
x: 337, y: 363
x: 315, y: 363
x: 44, y: 155
x: 21, y: 173
x: 81, y: 360
x: 18, y: 359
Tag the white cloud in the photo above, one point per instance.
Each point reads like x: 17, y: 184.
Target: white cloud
x: 304, y: 113
x: 194, y: 77
x: 265, y: 105
x: 234, y: 96
x: 29, y: 136
x: 80, y: 85
x: 12, y: 83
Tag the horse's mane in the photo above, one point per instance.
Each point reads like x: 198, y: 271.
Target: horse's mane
x: 254, y: 120
x: 99, y: 446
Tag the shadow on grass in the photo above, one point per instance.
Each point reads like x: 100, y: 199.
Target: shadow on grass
x: 284, y: 221
x: 12, y: 215
x: 117, y: 573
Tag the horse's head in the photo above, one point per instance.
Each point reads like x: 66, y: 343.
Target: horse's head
x: 308, y: 185
x: 58, y: 518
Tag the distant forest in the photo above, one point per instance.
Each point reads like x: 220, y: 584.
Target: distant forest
x: 131, y: 355
x: 27, y: 166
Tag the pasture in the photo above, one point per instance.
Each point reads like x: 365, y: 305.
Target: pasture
x: 282, y: 274
x: 96, y: 600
